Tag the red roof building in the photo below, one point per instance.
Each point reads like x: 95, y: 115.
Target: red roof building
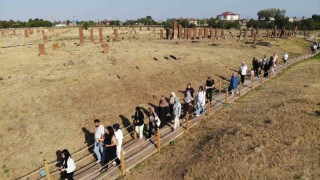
x: 229, y: 16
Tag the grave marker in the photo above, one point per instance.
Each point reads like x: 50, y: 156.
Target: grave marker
x: 185, y: 33
x: 175, y: 29
x: 245, y: 33
x: 189, y: 33
x: 41, y: 49
x: 161, y: 34
x: 222, y: 33
x: 45, y: 39
x: 116, y: 35
x: 105, y: 48
x: 205, y: 33
x: 211, y: 33
x: 194, y: 33
x: 55, y: 46
x: 180, y: 31
x: 216, y: 33
x: 200, y: 33
x: 26, y: 34
x: 81, y: 35
x: 100, y: 35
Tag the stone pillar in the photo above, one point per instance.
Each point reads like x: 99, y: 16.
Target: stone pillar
x: 55, y: 46
x: 216, y: 33
x: 245, y: 33
x: 189, y: 33
x: 240, y: 36
x: 116, y: 35
x: 211, y: 33
x: 105, y: 48
x: 254, y: 38
x: 167, y: 34
x: 195, y: 33
x: 100, y: 35
x: 161, y: 34
x: 81, y: 35
x: 41, y: 49
x: 205, y: 33
x: 26, y: 34
x: 185, y: 33
x: 42, y: 32
x: 275, y: 31
x: 222, y: 33
x: 45, y: 39
x: 180, y: 31
x: 91, y: 35
x: 175, y: 29
x: 200, y: 33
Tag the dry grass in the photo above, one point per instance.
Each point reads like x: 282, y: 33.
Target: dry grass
x: 270, y: 133
x: 46, y: 106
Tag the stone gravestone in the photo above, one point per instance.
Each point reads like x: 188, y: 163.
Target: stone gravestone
x: 81, y: 35
x: 195, y: 33
x: 211, y: 33
x: 175, y: 29
x: 205, y: 33
x: 91, y: 35
x: 41, y: 49
x: 100, y: 35
x: 55, y: 46
x: 200, y: 33
x: 180, y: 31
x: 45, y: 39
x: 167, y: 34
x: 185, y: 33
x: 254, y: 38
x: 245, y: 33
x: 222, y: 33
x: 275, y: 31
x: 116, y: 35
x: 105, y: 48
x: 26, y: 34
x: 42, y: 32
x: 161, y: 34
x: 216, y: 33
x: 189, y: 33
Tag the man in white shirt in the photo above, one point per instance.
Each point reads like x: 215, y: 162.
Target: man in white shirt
x: 201, y: 101
x: 285, y: 57
x: 98, y: 141
x: 243, y: 72
x: 119, y: 136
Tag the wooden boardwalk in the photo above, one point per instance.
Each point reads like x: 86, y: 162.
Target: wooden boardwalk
x: 138, y: 150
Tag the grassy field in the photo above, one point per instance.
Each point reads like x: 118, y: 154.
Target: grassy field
x: 270, y: 133
x: 48, y: 105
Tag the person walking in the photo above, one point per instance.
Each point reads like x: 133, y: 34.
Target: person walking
x: 163, y: 111
x: 172, y: 96
x: 255, y: 64
x: 119, y: 137
x: 68, y: 165
x: 139, y: 122
x: 243, y: 72
x: 265, y: 61
x: 188, y: 106
x: 190, y: 89
x: 110, y: 142
x: 285, y: 57
x: 98, y: 141
x: 209, y: 87
x: 154, y: 121
x: 233, y: 88
x: 275, y: 58
x: 201, y: 101
x: 176, y: 112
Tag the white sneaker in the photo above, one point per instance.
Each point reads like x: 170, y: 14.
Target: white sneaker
x: 114, y: 163
x: 98, y: 161
x: 197, y: 115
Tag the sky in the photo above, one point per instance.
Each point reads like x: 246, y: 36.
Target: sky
x: 59, y: 10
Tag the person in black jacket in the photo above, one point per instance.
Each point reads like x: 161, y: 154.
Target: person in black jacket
x: 255, y: 65
x: 139, y: 122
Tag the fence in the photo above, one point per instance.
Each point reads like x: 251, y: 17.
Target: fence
x: 190, y: 118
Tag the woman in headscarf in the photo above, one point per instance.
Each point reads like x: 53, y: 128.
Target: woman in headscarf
x: 188, y: 104
x: 68, y: 165
x: 172, y: 96
x: 176, y: 112
x: 163, y: 111
x: 154, y: 121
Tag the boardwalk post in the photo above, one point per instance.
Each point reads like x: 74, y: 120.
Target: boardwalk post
x: 261, y: 76
x: 134, y: 132
x: 46, y: 167
x: 252, y: 83
x: 187, y: 122
x: 240, y: 85
x: 208, y: 111
x: 220, y: 86
x: 226, y: 102
x: 123, y: 170
x: 158, y: 139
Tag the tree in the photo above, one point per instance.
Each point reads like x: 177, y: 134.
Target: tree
x: 272, y: 12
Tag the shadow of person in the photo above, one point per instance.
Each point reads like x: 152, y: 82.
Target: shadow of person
x: 89, y: 138
x: 126, y: 124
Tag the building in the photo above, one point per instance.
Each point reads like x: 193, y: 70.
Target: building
x: 105, y: 22
x: 190, y: 20
x: 229, y: 16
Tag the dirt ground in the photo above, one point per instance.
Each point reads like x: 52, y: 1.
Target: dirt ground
x: 272, y: 132
x: 48, y: 104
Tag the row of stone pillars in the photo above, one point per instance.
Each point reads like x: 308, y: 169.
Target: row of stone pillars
x: 81, y: 36
x: 192, y: 33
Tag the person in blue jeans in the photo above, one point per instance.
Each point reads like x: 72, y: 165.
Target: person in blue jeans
x: 99, y: 141
x: 234, y: 83
x: 201, y: 101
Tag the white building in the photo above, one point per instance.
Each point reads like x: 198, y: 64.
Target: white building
x: 229, y: 16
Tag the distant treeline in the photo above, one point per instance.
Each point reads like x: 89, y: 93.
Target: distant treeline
x: 31, y: 23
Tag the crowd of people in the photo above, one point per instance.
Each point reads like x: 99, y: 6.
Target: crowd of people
x: 108, y: 141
